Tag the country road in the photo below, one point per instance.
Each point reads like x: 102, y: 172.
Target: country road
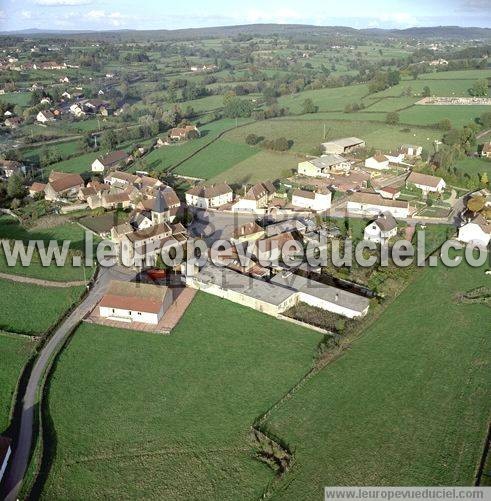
x: 22, y: 448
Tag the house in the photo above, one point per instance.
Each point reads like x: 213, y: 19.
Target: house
x: 411, y: 150
x: 13, y: 122
x: 135, y: 302
x: 378, y: 162
x: 62, y: 186
x: 247, y: 232
x: 165, y: 206
x: 76, y: 110
x: 92, y: 188
x: 36, y: 188
x: 111, y: 161
x: 96, y: 106
x: 114, y: 200
x: 204, y: 197
x: 45, y: 116
x: 371, y: 204
x: 381, y: 229
x: 5, y: 453
x: 143, y: 246
x: 161, y: 142
x: 257, y: 197
x: 389, y: 192
x: 286, y: 226
x: 426, y: 183
x: 486, y: 150
x: 324, y: 166
x: 270, y: 251
x: 11, y: 167
x: 476, y: 232
x: 183, y: 133
x: 323, y: 296
x: 120, y: 179
x: 318, y: 201
x: 343, y: 145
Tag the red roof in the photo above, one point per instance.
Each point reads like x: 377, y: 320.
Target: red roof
x: 131, y: 303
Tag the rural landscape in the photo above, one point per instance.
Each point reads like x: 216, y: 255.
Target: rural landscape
x: 251, y: 368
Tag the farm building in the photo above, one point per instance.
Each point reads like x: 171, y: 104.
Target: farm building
x: 343, y: 145
x: 378, y: 162
x: 135, y: 302
x: 371, y: 204
x: 323, y: 296
x: 426, y: 183
x: 476, y: 232
x: 183, y: 133
x: 62, y: 185
x: 313, y: 200
x: 486, y: 150
x: 323, y: 166
x: 111, y: 161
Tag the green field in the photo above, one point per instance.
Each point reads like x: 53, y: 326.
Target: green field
x: 216, y: 158
x: 168, y: 156
x: 407, y: 405
x: 331, y: 99
x: 145, y: 416
x: 263, y: 166
x: 473, y: 166
x: 308, y: 134
x: 16, y: 98
x: 428, y: 114
x: 29, y: 309
x: 15, y: 352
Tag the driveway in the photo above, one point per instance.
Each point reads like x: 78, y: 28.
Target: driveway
x: 22, y: 449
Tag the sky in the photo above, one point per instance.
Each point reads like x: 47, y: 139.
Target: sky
x: 101, y: 15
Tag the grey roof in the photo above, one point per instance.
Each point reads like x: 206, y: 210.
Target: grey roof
x: 248, y: 286
x: 160, y: 204
x: 386, y: 221
x: 346, y: 142
x: 284, y: 227
x: 333, y: 295
x: 327, y: 161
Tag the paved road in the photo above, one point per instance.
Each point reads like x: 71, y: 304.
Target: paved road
x: 22, y: 449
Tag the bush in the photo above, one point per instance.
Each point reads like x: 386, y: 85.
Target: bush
x: 392, y: 118
x: 252, y: 139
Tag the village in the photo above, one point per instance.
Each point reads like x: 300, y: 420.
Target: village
x: 382, y: 189
x: 228, y: 208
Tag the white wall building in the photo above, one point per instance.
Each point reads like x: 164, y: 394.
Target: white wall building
x: 378, y: 162
x: 382, y: 229
x: 204, y: 197
x: 372, y: 204
x: 313, y: 200
x: 426, y: 183
x: 476, y: 232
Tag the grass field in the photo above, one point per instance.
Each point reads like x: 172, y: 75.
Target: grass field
x: 308, y: 134
x: 428, y: 115
x: 29, y: 309
x: 216, y: 158
x: 473, y: 166
x: 331, y: 99
x: 15, y: 352
x: 16, y: 98
x: 168, y: 156
x: 407, y: 405
x: 144, y: 416
x: 263, y: 166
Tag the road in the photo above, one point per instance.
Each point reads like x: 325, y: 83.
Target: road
x: 22, y: 449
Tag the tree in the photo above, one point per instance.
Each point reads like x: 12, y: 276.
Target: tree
x: 236, y: 107
x: 308, y: 106
x: 15, y: 186
x: 445, y: 124
x: 109, y: 140
x: 426, y: 91
x: 392, y: 118
x: 484, y: 179
x: 479, y: 88
x: 476, y: 203
x: 485, y: 119
x: 252, y: 139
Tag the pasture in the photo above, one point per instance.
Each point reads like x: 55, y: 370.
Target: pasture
x: 432, y: 114
x: 29, y: 309
x: 142, y: 415
x: 15, y: 352
x: 409, y: 399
